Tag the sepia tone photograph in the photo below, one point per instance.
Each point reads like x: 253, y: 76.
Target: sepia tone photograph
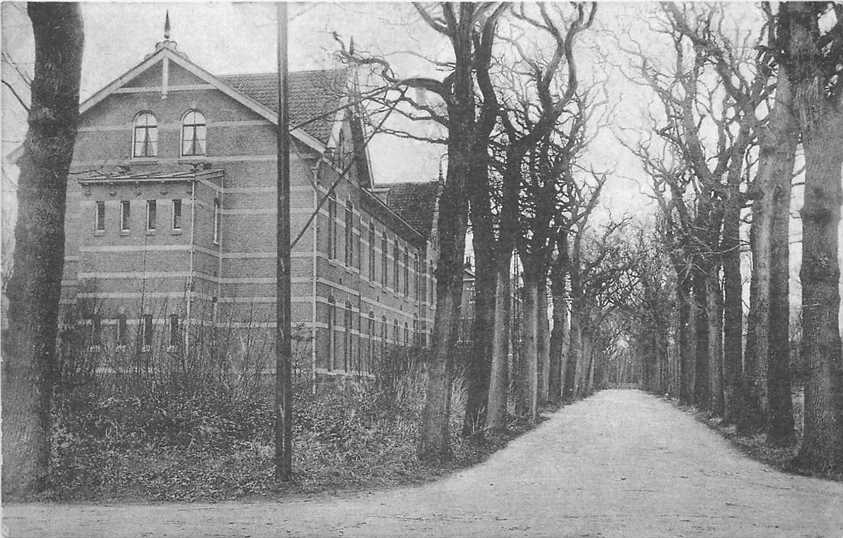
x: 423, y: 269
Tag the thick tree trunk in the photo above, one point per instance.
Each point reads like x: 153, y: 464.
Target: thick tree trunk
x: 732, y: 305
x: 715, y: 344
x: 822, y: 443
x: 529, y: 354
x: 686, y: 342
x: 29, y: 355
x: 480, y: 360
x: 543, y: 341
x: 821, y: 124
x: 558, y: 356
x: 451, y: 227
x: 770, y: 301
x: 586, y: 360
x: 499, y: 380
x: 779, y: 141
x: 780, y: 426
x: 702, y: 393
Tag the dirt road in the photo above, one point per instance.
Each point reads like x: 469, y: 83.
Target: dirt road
x: 621, y: 463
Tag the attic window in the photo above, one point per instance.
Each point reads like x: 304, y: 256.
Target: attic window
x: 145, y: 143
x: 193, y: 133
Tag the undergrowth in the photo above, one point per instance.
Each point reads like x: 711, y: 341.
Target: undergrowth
x: 189, y: 442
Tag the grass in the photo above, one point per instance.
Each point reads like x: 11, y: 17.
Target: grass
x: 756, y: 446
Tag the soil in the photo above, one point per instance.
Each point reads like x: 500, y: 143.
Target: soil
x: 621, y: 463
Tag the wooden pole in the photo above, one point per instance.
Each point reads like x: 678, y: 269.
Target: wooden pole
x: 283, y: 385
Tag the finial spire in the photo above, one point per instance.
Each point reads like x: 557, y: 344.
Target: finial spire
x: 167, y: 25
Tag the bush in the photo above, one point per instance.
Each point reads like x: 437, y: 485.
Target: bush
x: 117, y: 439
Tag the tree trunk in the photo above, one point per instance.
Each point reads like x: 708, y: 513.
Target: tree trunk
x: 782, y: 137
x: 499, y: 380
x: 558, y: 356
x: 451, y: 227
x: 715, y: 344
x: 686, y: 342
x: 780, y: 422
x: 821, y: 124
x: 29, y: 357
x: 529, y: 382
x: 702, y: 393
x: 732, y: 303
x: 480, y: 359
x: 585, y: 360
x: 543, y: 341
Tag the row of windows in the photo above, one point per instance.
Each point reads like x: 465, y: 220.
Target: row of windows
x: 144, y: 335
x: 365, y: 353
x: 353, y: 243
x: 194, y: 131
x: 126, y: 214
x: 151, y: 216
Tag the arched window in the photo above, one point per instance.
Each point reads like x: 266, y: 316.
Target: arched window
x: 406, y: 334
x: 193, y: 133
x: 332, y: 320
x: 372, y: 251
x: 145, y: 139
x: 395, y: 338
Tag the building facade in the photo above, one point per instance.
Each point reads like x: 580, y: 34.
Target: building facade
x: 171, y: 221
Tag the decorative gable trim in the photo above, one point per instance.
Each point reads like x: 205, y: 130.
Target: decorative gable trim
x: 165, y: 53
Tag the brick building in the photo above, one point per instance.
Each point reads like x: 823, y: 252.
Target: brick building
x: 171, y: 219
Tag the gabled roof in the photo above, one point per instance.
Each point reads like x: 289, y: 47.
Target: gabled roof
x: 314, y: 96
x: 254, y: 92
x: 415, y: 203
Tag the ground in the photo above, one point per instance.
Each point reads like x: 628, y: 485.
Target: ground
x: 621, y: 463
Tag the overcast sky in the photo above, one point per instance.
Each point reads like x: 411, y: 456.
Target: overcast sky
x: 227, y: 38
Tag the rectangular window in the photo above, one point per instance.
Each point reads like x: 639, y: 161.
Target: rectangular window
x: 417, y: 269
x: 332, y: 321
x: 358, y: 239
x: 147, y: 332
x: 371, y: 354
x: 396, y: 261
x: 125, y: 215
x: 384, y: 262
x: 96, y: 331
x: 406, y: 273
x: 174, y: 330
x: 122, y: 336
x: 349, y: 235
x: 432, y: 283
x: 151, y: 217
x: 332, y: 226
x: 99, y: 221
x: 372, y: 251
x: 177, y: 214
x: 347, y: 343
x: 395, y: 331
x: 216, y: 221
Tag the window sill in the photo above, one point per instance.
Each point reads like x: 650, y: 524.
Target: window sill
x: 121, y: 347
x: 146, y: 348
x: 125, y: 232
x: 99, y: 233
x: 143, y: 160
x: 150, y: 232
x: 176, y: 232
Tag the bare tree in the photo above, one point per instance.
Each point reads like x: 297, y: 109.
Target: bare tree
x: 460, y: 24
x: 29, y: 360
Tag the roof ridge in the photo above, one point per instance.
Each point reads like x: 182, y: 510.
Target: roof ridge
x: 275, y: 73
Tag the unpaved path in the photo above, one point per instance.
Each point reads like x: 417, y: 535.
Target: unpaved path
x: 621, y: 463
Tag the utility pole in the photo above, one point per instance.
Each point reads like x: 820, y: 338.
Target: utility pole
x: 283, y: 325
